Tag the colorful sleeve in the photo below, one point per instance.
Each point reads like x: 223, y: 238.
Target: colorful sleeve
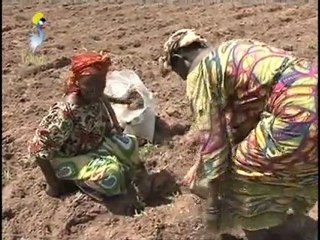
x: 52, y: 132
x: 203, y: 92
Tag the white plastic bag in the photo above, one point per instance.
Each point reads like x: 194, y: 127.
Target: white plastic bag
x: 140, y: 122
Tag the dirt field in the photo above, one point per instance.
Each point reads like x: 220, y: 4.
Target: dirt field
x: 134, y: 35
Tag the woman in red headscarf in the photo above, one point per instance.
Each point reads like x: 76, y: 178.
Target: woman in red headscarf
x: 80, y: 139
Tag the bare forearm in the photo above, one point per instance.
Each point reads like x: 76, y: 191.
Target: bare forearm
x: 116, y: 100
x: 111, y: 113
x: 48, y: 172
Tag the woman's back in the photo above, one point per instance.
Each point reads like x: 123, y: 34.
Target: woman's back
x: 249, y: 72
x: 249, y: 66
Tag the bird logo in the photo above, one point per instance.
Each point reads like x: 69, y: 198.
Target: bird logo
x: 36, y: 39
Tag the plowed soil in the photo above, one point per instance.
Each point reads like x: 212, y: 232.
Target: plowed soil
x: 133, y: 35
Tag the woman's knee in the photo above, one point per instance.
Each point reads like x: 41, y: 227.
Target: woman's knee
x: 111, y: 186
x: 114, y: 183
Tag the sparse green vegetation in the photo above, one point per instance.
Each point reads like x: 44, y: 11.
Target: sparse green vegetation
x: 6, y: 176
x: 147, y: 150
x: 312, y: 46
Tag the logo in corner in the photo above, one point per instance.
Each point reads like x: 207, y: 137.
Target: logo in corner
x: 31, y: 55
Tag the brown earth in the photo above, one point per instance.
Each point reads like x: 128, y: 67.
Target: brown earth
x: 134, y: 35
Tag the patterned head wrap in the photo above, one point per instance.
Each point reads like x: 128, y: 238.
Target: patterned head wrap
x: 181, y: 38
x: 85, y: 65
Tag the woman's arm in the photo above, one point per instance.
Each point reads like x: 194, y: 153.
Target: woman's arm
x: 215, y: 145
x: 205, y: 91
x: 116, y: 100
x: 209, y: 121
x: 51, y: 134
x: 116, y: 125
x: 210, y: 134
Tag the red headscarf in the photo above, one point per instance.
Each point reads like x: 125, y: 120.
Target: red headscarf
x: 85, y: 65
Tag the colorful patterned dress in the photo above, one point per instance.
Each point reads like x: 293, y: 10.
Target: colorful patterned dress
x: 257, y: 109
x: 76, y: 142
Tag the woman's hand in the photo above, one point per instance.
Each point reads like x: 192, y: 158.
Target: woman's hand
x: 188, y: 140
x: 118, y: 128
x: 118, y: 100
x: 192, y: 139
x: 190, y: 178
